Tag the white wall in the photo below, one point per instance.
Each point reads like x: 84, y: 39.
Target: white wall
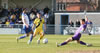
x: 10, y: 30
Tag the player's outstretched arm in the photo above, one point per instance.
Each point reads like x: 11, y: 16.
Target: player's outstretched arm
x: 85, y: 15
x: 86, y: 19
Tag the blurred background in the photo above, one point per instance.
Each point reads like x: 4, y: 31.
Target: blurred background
x: 61, y: 16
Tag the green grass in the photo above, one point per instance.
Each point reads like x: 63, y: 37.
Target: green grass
x: 8, y: 44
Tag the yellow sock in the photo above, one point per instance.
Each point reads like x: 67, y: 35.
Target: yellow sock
x: 41, y: 36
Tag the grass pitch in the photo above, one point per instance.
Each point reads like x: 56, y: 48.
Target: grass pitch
x: 8, y: 44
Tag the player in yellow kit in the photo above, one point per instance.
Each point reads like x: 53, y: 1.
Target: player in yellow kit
x: 38, y: 22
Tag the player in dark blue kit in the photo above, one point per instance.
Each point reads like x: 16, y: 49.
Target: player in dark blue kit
x: 77, y: 34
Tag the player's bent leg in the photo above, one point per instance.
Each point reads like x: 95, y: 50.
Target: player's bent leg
x: 41, y: 36
x: 31, y: 37
x: 65, y: 42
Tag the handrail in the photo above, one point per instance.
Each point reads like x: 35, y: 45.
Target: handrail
x: 13, y: 3
x: 37, y: 3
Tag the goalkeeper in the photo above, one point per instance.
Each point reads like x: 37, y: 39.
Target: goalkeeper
x: 77, y: 34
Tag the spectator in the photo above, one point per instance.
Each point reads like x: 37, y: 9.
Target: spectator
x: 11, y: 23
x: 4, y: 12
x: 34, y: 11
x: 32, y: 16
x: 46, y: 17
x: 20, y: 20
x: 46, y: 10
x: 77, y: 23
x: 11, y: 11
x: 13, y: 18
x: 7, y: 22
x: 14, y: 14
x: 0, y: 22
x: 71, y: 24
x: 90, y: 24
x: 41, y: 11
x: 89, y: 27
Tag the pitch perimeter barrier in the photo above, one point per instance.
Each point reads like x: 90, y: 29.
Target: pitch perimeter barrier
x: 51, y: 29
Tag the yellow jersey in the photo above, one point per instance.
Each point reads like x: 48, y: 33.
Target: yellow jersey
x: 7, y: 23
x: 39, y: 23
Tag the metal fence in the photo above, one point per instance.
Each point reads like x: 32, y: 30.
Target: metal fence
x: 51, y: 29
x: 3, y: 27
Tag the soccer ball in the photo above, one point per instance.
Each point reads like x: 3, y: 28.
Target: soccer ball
x: 45, y: 41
